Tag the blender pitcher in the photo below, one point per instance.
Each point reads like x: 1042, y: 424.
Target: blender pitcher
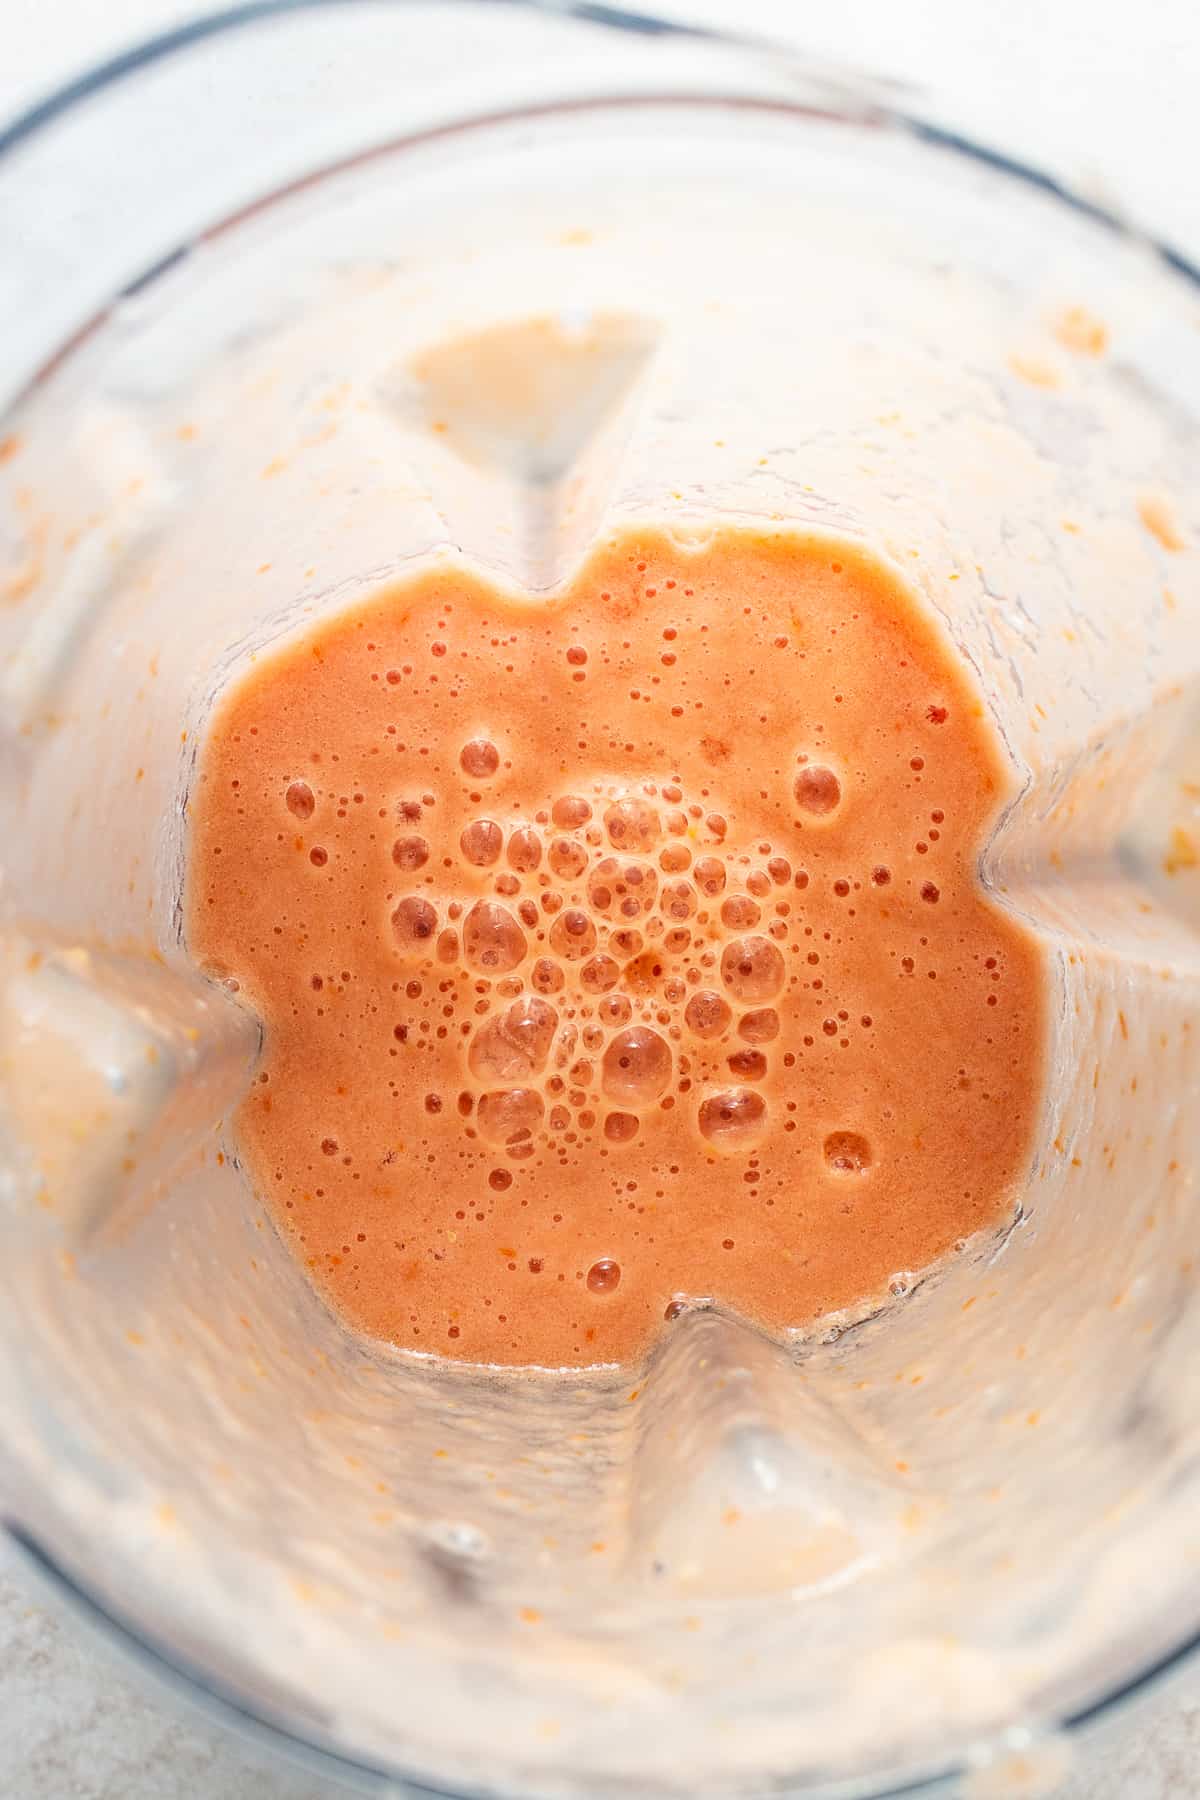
x: 481, y: 282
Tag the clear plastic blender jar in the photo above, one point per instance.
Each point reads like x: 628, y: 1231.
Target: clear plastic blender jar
x: 635, y: 274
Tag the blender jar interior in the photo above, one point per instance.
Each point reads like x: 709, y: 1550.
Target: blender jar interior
x: 728, y: 289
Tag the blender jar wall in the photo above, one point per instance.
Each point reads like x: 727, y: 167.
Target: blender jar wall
x: 956, y: 1514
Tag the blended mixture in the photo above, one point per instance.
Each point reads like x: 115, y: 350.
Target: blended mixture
x: 620, y: 949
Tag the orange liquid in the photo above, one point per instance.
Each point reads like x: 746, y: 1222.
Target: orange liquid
x: 619, y: 947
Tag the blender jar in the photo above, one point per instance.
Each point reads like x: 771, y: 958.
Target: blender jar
x: 480, y: 282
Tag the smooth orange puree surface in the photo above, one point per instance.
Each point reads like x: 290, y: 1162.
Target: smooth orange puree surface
x: 619, y: 948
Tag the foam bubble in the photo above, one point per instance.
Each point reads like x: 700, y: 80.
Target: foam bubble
x: 623, y: 888
x: 847, y: 1153
x: 760, y: 1026
x: 818, y: 791
x: 752, y: 968
x: 599, y: 974
x: 637, y: 1066
x: 414, y: 923
x: 568, y: 858
x: 710, y: 876
x: 572, y: 935
x: 674, y: 858
x: 621, y: 1127
x: 481, y: 842
x: 748, y: 1065
x: 604, y: 1276
x: 547, y: 977
x: 514, y: 1045
x: 570, y: 811
x: 732, y: 1119
x: 615, y: 1009
x: 479, y: 759
x: 510, y: 1116
x: 524, y: 849
x: 707, y: 1014
x: 678, y: 900
x: 492, y: 939
x: 300, y: 800
x: 740, y: 912
x: 410, y: 852
x: 632, y: 824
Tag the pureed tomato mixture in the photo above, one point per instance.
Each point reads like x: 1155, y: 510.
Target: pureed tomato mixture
x: 619, y: 948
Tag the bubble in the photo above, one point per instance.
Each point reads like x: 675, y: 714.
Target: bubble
x: 510, y: 1116
x: 624, y: 889
x: 759, y: 1027
x: 481, y: 842
x: 410, y: 853
x: 930, y: 892
x: 627, y: 941
x: 733, y: 1118
x: 615, y: 1009
x: 604, y: 1276
x: 707, y: 1014
x: 318, y: 856
x: 447, y: 946
x: 492, y: 939
x: 514, y: 1044
x: 674, y: 858
x: 524, y: 849
x: 568, y: 858
x: 632, y: 824
x: 752, y: 968
x: 710, y: 876
x: 300, y: 800
x: 636, y: 1067
x: 717, y: 824
x: 818, y: 790
x: 678, y: 900
x: 547, y: 977
x: 479, y: 758
x: 748, y: 1065
x: 499, y: 1179
x: 573, y: 935
x: 847, y: 1153
x: 599, y: 974
x: 881, y: 875
x: 740, y: 912
x: 413, y: 923
x: 620, y: 1127
x: 570, y: 811
x: 780, y: 870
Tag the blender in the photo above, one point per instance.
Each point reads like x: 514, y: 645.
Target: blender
x: 720, y: 284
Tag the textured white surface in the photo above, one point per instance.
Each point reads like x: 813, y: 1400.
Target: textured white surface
x: 1100, y: 92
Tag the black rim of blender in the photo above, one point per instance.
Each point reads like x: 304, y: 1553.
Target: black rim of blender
x: 200, y: 1685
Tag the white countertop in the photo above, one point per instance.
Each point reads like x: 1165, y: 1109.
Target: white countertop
x: 1055, y: 80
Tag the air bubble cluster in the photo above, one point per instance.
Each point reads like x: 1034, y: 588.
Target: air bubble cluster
x: 626, y: 957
